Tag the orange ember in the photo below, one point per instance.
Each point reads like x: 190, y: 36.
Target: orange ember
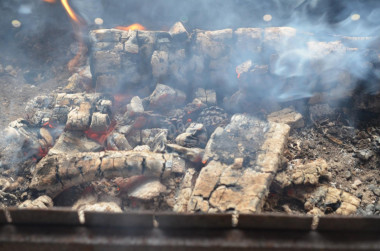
x: 189, y: 120
x: 49, y: 1
x: 42, y: 152
x: 47, y: 124
x: 70, y: 11
x: 131, y: 27
x: 204, y: 162
x: 100, y: 137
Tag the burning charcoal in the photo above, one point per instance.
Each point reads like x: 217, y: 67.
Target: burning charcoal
x: 130, y: 71
x: 125, y: 129
x: 179, y: 67
x: 90, y: 203
x: 38, y: 104
x: 174, y: 164
x: 43, y: 201
x: 147, y: 191
x: 367, y: 102
x: 219, y: 65
x: 178, y: 32
x: 80, y: 81
x: 104, y: 106
x: 55, y: 173
x: 185, y: 189
x: 308, y: 174
x: 248, y: 39
x: 194, y: 155
x: 329, y: 199
x: 40, y: 117
x: 243, y: 68
x: 74, y: 142
x: 164, y: 97
x: 155, y: 138
x: 142, y: 148
x: 220, y: 187
x: 158, y: 142
x: 59, y: 114
x: 242, y: 138
x: 279, y: 38
x: 159, y: 64
x: 287, y: 116
x: 212, y: 43
x: 100, y: 122
x: 321, y: 111
x: 17, y: 144
x: 105, y: 82
x: 107, y: 46
x: 147, y: 41
x: 4, y: 184
x: 212, y: 117
x: 135, y: 107
x: 46, y: 136
x: 193, y: 109
x: 7, y: 199
x: 105, y: 35
x: 195, y: 136
x: 75, y: 99
x: 117, y: 141
x: 106, y: 62
x: 206, y: 96
x: 364, y: 154
x: 130, y: 41
x: 79, y: 117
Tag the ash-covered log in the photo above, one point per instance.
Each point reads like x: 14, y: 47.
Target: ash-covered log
x: 56, y: 173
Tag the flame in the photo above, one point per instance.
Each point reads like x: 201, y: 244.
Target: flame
x: 100, y: 137
x: 237, y: 72
x: 69, y: 11
x: 135, y: 26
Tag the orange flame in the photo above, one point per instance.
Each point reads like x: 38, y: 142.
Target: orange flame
x: 69, y: 10
x: 237, y: 72
x: 131, y: 27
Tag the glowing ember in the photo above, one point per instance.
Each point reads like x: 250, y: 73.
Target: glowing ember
x: 42, y: 152
x: 100, y: 137
x: 47, y: 124
x: 204, y: 162
x: 131, y: 27
x: 49, y: 1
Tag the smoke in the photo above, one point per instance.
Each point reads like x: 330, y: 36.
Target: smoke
x: 322, y: 46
